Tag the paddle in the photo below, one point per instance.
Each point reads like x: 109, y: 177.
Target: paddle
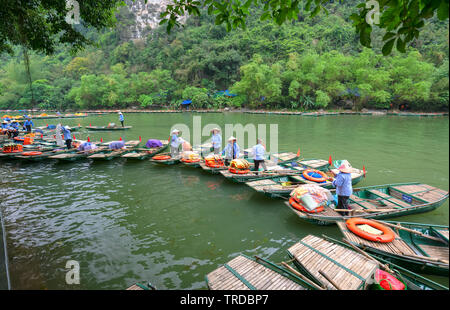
x: 385, y: 267
x: 330, y: 280
x: 302, y: 277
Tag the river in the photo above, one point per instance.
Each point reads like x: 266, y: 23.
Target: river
x: 127, y: 222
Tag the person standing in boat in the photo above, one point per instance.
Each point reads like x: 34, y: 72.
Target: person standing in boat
x: 258, y: 155
x: 175, y: 143
x: 343, y: 185
x: 231, y: 150
x: 121, y: 119
x: 14, y: 129
x: 28, y: 124
x: 67, y: 136
x: 216, y: 141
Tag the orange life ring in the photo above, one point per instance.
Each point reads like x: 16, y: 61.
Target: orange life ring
x: 161, y: 157
x: 237, y: 171
x: 190, y: 160
x: 314, y: 179
x: 31, y: 153
x: 296, y: 205
x: 387, y: 236
x: 214, y: 164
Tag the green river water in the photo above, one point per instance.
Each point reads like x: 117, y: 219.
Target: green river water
x: 125, y: 222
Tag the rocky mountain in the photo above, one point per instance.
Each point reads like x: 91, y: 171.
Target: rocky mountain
x: 146, y: 15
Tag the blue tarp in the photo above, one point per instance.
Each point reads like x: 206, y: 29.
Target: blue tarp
x: 187, y: 102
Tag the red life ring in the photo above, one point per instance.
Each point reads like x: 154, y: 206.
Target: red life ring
x: 314, y: 179
x: 237, y: 171
x: 387, y: 236
x: 296, y: 205
x: 190, y: 160
x: 161, y: 157
x: 31, y: 153
x: 388, y: 281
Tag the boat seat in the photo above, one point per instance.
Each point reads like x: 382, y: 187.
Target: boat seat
x: 389, y: 200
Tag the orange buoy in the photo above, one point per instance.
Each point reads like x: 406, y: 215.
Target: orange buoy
x: 34, y: 153
x: 307, y: 176
x: 238, y: 171
x: 161, y: 157
x: 387, y: 236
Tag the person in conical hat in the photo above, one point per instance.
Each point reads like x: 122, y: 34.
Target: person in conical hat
x: 216, y: 140
x: 121, y: 118
x: 231, y: 150
x: 175, y: 143
x: 343, y: 184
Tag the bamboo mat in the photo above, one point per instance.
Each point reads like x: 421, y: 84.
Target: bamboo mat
x: 254, y: 274
x: 347, y: 268
x: 422, y: 192
x: 397, y: 246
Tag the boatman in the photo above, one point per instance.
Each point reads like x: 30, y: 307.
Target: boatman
x: 28, y: 124
x: 216, y: 140
x: 67, y: 136
x: 121, y: 118
x: 258, y: 155
x: 13, y: 129
x: 231, y: 150
x: 343, y: 184
x: 175, y: 143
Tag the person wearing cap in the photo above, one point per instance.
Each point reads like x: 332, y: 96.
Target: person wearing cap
x: 67, y: 136
x: 121, y: 118
x: 258, y: 155
x: 231, y: 150
x: 175, y: 143
x: 216, y: 141
x: 28, y: 124
x: 343, y: 185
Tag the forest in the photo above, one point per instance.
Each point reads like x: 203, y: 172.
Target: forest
x: 308, y: 64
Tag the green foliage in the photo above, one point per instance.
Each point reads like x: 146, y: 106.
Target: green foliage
x: 322, y: 99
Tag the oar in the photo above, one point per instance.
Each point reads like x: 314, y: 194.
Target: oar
x: 385, y: 267
x: 330, y: 280
x: 409, y: 230
x: 302, y: 276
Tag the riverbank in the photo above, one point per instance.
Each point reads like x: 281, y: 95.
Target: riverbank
x: 268, y: 112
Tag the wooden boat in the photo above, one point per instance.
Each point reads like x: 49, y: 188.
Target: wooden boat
x: 418, y: 247
x: 245, y: 273
x: 103, y: 128
x: 194, y: 164
x: 282, y: 186
x: 141, y: 287
x: 302, y: 164
x: 380, y: 202
x: 77, y: 155
x: 169, y: 161
x: 336, y: 266
x: 44, y: 155
x: 145, y: 153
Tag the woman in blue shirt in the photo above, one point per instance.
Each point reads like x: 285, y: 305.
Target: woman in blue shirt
x: 27, y: 125
x: 231, y: 151
x: 343, y: 184
x: 216, y: 141
x: 258, y: 155
x: 121, y: 118
x: 67, y: 136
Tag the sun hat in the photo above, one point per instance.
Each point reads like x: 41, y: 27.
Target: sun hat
x: 231, y: 138
x: 67, y: 127
x: 215, y: 129
x: 175, y: 131
x: 343, y: 166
